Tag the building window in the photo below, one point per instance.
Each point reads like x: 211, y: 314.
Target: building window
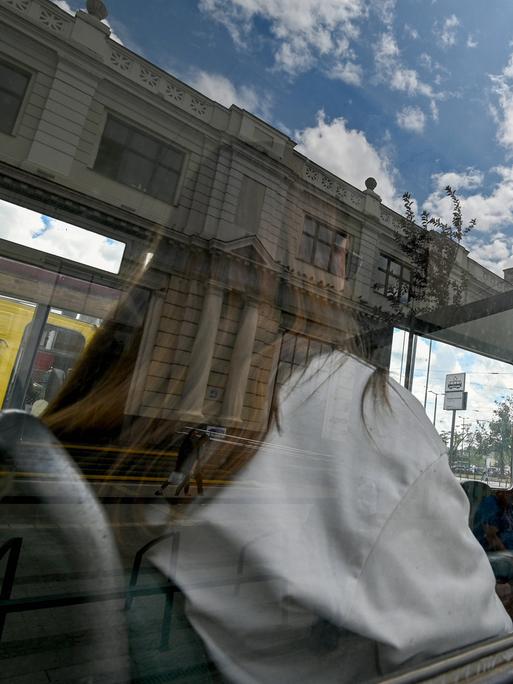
x: 324, y: 247
x: 297, y: 351
x: 136, y: 159
x: 394, y: 279
x: 13, y: 84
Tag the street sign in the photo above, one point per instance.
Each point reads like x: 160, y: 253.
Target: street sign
x: 455, y: 382
x: 455, y: 401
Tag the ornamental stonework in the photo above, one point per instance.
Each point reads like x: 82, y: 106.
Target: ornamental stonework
x: 120, y: 61
x: 174, y: 93
x: 149, y: 78
x: 51, y: 20
x: 20, y: 5
x: 198, y: 107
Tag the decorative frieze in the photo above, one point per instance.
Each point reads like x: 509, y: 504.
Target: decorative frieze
x: 149, y: 78
x: 20, y: 5
x: 198, y: 107
x: 120, y: 61
x: 333, y: 186
x: 174, y: 93
x: 390, y: 218
x: 51, y: 20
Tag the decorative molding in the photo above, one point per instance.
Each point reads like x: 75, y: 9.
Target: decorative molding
x: 20, y: 5
x: 157, y: 83
x: 174, y: 93
x: 149, y: 78
x: 198, y: 107
x: 51, y: 20
x: 389, y: 218
x: 326, y: 183
x: 333, y: 186
x: 311, y: 174
x: 120, y: 61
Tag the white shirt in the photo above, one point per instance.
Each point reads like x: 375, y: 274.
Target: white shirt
x: 351, y: 538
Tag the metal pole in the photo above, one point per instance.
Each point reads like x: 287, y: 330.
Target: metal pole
x: 402, y: 358
x: 427, y: 374
x: 434, y: 414
x: 410, y: 360
x: 452, y: 437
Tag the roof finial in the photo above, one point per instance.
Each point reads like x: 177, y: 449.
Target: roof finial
x: 371, y: 184
x: 97, y: 9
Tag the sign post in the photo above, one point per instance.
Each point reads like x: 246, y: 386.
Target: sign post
x: 455, y: 400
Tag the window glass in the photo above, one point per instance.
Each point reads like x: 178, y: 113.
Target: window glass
x: 306, y: 248
x: 135, y: 170
x: 135, y: 159
x: 322, y: 255
x: 13, y: 84
x: 323, y: 247
x: 172, y: 159
x: 256, y: 356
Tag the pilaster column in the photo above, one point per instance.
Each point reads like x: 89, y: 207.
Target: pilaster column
x: 193, y: 396
x: 240, y: 365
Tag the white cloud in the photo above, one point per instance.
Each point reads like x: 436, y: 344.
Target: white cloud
x: 411, y: 119
x: 391, y: 70
x: 349, y: 72
x: 26, y: 227
x: 221, y: 89
x: 503, y: 88
x: 467, y: 180
x: 385, y: 10
x: 348, y: 154
x: 447, y: 33
x: 471, y: 41
x: 496, y: 254
x: 411, y: 32
x: 304, y: 30
x: 493, y: 211
x: 64, y: 6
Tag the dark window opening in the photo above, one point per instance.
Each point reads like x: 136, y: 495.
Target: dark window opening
x: 324, y: 247
x: 13, y: 85
x: 394, y: 280
x: 136, y: 159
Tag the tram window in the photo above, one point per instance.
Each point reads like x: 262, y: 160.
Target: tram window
x: 13, y: 84
x: 47, y: 234
x: 326, y: 538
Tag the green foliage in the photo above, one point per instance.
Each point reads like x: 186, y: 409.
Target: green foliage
x: 431, y: 248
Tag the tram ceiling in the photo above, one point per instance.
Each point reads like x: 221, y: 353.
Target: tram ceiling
x: 484, y: 326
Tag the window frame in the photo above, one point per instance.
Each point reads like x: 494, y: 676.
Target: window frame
x: 23, y: 98
x: 164, y: 146
x: 383, y: 289
x: 317, y: 239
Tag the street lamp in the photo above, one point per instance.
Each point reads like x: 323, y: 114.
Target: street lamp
x: 437, y: 394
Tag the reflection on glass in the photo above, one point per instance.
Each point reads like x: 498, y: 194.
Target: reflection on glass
x: 233, y: 456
